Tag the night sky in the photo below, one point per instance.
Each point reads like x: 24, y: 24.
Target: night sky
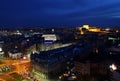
x: 58, y: 13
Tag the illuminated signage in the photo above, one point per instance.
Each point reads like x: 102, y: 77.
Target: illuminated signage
x: 48, y: 42
x: 50, y: 37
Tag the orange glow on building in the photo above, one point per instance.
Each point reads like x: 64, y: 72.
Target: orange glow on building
x: 80, y: 29
x: 88, y: 28
x: 82, y: 32
x: 94, y: 29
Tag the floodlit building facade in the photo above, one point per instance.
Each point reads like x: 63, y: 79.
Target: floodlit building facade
x: 15, y: 54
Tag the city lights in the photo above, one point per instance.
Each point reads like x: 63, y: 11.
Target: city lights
x: 24, y: 57
x: 73, y: 53
x: 0, y: 49
x: 59, y: 40
x: 113, y: 67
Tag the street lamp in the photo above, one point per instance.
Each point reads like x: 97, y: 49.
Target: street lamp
x: 113, y: 67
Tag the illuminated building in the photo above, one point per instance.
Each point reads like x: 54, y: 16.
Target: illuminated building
x: 50, y: 63
x: 88, y: 28
x: 47, y: 65
x: 17, y: 32
x: 1, y: 53
x: 80, y: 29
x: 15, y: 54
x: 49, y: 37
x: 94, y: 29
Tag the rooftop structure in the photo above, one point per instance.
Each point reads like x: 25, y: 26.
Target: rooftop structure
x: 15, y: 54
x: 51, y: 37
x: 52, y: 61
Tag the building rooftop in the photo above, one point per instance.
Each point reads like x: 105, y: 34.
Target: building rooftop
x: 14, y: 51
x: 53, y: 56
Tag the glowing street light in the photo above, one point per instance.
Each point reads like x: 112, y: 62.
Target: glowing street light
x: 113, y: 67
x: 24, y: 58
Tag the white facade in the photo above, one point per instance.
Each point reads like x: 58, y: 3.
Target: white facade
x: 15, y: 55
x: 1, y: 53
x: 52, y: 37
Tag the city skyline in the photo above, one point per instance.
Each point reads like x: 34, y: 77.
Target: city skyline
x: 59, y: 13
